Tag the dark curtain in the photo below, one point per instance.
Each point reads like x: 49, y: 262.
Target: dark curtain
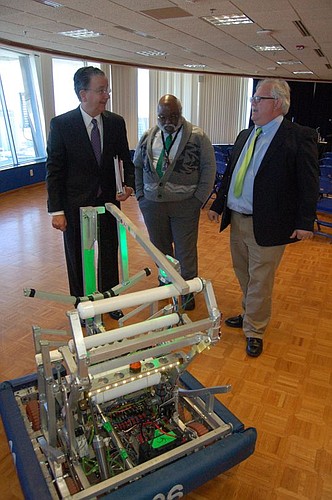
x: 311, y: 105
x: 322, y: 110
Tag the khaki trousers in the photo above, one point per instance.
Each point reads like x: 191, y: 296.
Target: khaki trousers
x: 255, y: 268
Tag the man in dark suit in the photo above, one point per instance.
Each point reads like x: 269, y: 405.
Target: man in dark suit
x: 79, y: 176
x: 269, y: 198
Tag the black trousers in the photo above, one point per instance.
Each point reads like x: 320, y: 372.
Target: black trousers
x: 108, y: 270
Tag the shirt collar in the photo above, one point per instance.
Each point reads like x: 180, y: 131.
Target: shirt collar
x: 271, y: 125
x: 87, y: 118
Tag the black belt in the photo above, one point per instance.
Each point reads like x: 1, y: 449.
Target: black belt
x: 244, y: 215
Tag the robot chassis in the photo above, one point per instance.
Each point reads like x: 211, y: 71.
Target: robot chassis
x: 114, y: 413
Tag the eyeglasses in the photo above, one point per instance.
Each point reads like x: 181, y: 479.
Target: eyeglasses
x: 100, y: 91
x: 257, y: 98
x: 172, y: 118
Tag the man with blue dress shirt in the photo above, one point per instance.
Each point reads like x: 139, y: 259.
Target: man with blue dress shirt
x: 269, y: 201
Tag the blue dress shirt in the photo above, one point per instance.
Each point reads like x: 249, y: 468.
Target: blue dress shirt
x: 243, y: 204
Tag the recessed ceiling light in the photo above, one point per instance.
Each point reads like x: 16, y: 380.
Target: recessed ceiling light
x: 149, y: 53
x: 228, y: 20
x: 195, y: 65
x: 80, y: 33
x: 302, y: 73
x: 267, y: 48
x: 288, y: 63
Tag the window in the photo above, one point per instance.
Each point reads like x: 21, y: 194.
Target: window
x: 143, y: 100
x: 22, y: 135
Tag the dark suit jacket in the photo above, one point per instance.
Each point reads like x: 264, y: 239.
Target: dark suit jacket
x: 286, y: 185
x: 73, y: 175
x: 73, y: 181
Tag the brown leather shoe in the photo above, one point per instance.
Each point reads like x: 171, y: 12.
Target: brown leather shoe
x: 234, y: 321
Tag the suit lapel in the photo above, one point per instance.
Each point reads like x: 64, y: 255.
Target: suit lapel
x: 106, y: 134
x: 242, y: 139
x: 81, y: 134
x: 106, y: 129
x: 276, y: 143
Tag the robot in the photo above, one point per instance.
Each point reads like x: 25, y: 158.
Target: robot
x: 114, y: 413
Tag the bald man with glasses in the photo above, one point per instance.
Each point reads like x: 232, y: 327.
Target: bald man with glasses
x: 81, y: 148
x: 268, y: 196
x: 175, y: 170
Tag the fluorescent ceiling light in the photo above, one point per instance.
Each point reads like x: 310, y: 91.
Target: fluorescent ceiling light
x: 80, y: 33
x: 145, y: 35
x: 267, y: 48
x: 139, y: 33
x: 288, y: 63
x: 303, y: 73
x: 194, y: 65
x: 264, y: 32
x: 228, y: 20
x: 149, y: 53
x: 49, y: 3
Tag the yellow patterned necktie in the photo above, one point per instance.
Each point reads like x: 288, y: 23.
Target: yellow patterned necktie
x: 160, y: 163
x: 238, y: 185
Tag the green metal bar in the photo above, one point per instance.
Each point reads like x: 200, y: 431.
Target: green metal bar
x: 124, y: 257
x: 90, y: 277
x: 89, y: 241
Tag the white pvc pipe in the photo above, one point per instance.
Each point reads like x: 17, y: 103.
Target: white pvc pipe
x: 91, y: 309
x: 54, y: 356
x: 127, y: 331
x: 122, y: 389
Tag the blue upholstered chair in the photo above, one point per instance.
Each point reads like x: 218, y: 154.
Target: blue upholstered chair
x: 324, y: 203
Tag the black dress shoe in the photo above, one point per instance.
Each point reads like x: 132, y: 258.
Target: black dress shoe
x: 116, y: 314
x: 254, y: 346
x: 188, y: 302
x: 235, y: 321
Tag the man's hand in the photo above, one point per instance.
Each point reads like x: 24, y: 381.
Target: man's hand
x: 301, y: 234
x: 59, y: 222
x: 213, y: 216
x: 127, y: 191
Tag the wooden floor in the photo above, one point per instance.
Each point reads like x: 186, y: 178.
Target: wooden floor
x: 286, y: 393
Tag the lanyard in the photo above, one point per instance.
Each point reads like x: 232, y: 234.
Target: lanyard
x: 167, y: 151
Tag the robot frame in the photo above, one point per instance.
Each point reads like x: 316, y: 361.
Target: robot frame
x: 114, y: 413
